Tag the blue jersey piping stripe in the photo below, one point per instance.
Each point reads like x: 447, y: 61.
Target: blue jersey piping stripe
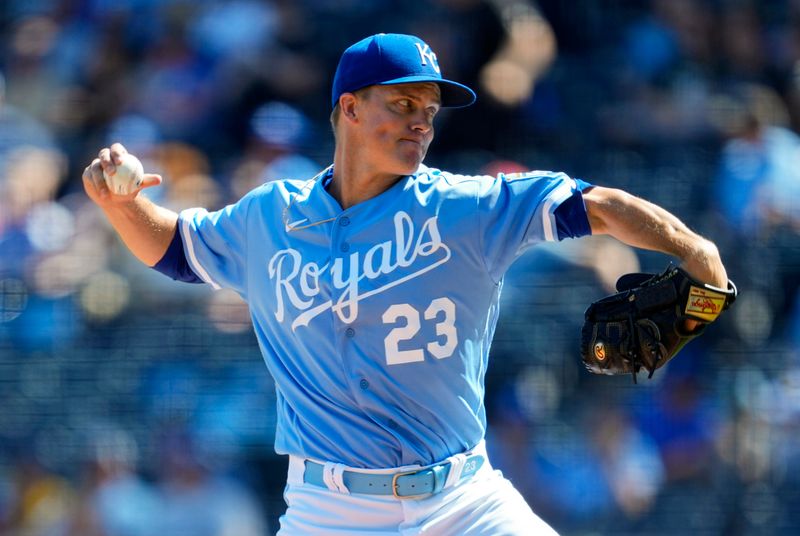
x: 562, y: 192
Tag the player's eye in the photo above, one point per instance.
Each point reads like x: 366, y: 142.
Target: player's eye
x: 404, y: 103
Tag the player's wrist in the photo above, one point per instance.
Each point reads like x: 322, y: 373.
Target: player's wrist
x: 704, y: 264
x: 115, y: 205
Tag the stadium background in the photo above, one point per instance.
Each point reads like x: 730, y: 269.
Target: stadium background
x: 132, y: 405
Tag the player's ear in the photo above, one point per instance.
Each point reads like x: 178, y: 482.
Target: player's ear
x: 347, y: 103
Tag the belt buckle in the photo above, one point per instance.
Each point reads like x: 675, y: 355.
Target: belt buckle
x: 394, y: 486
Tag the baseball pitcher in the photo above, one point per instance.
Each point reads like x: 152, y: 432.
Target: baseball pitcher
x: 373, y: 289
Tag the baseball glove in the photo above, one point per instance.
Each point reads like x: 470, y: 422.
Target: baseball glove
x: 643, y: 325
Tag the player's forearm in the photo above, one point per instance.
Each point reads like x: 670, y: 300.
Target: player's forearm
x: 642, y: 224
x: 146, y: 228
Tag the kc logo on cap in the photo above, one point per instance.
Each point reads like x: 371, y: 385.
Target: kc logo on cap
x: 427, y: 55
x: 385, y: 59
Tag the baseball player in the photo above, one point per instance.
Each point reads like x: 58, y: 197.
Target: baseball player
x: 373, y: 289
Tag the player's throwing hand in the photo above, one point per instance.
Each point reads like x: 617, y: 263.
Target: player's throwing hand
x: 116, y: 163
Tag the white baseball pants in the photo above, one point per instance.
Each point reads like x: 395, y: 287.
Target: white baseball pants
x: 484, y: 505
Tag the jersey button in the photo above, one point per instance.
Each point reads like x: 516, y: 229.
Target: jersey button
x: 344, y: 221
x: 345, y: 247
x: 364, y: 384
x: 350, y: 332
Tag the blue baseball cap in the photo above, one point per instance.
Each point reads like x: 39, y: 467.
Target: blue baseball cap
x: 386, y: 59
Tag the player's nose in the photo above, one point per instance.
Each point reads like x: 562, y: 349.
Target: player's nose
x: 422, y: 122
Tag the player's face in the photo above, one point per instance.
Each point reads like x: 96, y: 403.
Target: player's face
x: 397, y: 125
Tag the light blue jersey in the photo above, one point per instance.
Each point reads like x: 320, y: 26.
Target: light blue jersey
x: 376, y: 321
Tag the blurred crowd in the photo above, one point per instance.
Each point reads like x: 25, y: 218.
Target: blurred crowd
x: 131, y: 405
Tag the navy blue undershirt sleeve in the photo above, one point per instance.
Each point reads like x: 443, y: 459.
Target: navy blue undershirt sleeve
x: 571, y: 218
x: 174, y: 263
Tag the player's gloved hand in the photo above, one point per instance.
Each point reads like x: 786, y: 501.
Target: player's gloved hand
x: 644, y: 324
x: 95, y: 184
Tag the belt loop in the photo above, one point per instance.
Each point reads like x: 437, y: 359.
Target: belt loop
x: 338, y: 478
x: 456, y: 467
x: 438, y: 480
x: 297, y: 468
x: 332, y: 475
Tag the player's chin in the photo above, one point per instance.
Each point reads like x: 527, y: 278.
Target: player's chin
x: 409, y: 162
x: 408, y: 167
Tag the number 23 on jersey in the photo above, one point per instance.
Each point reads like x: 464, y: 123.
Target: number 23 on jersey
x: 441, y: 311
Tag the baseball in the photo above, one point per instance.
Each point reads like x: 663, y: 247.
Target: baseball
x: 128, y: 176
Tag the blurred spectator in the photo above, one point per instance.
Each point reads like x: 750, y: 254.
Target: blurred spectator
x: 682, y: 422
x: 31, y: 82
x: 758, y: 188
x: 40, y: 503
x: 197, y: 502
x: 278, y: 132
x: 28, y: 211
x: 115, y: 501
x: 18, y: 130
x: 666, y: 61
x: 630, y: 461
x: 759, y: 183
x: 24, y: 141
x: 176, y: 86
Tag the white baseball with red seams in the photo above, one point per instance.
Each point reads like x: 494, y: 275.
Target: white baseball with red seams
x: 128, y: 176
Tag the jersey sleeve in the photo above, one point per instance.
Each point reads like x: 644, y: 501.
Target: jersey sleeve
x: 215, y: 244
x: 520, y: 210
